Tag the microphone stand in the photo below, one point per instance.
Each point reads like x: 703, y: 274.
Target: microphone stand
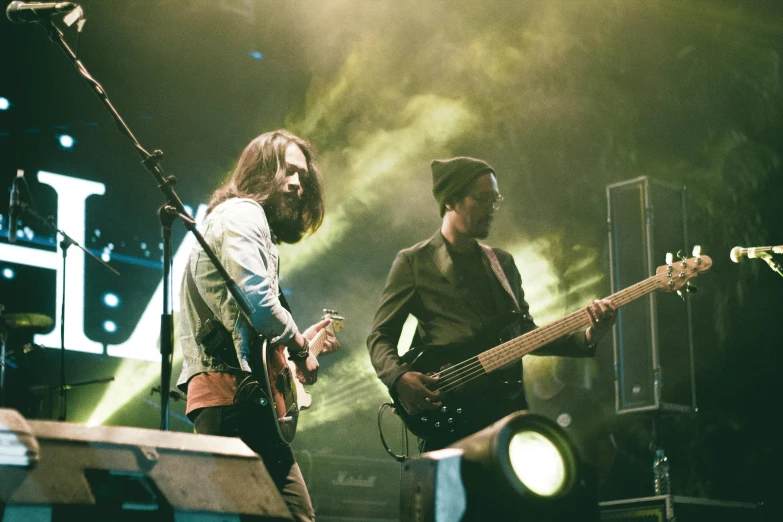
x: 774, y: 265
x: 66, y: 242
x: 48, y: 388
x: 172, y: 209
x: 2, y: 357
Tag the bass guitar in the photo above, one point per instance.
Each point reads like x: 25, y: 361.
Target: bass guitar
x: 470, y: 400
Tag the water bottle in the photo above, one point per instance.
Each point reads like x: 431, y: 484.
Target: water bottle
x: 661, y: 481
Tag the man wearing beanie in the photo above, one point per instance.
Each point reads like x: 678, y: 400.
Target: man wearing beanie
x: 456, y: 287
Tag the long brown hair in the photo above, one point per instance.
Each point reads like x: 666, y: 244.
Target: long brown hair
x: 261, y: 171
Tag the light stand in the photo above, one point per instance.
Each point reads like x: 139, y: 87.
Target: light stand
x: 172, y: 208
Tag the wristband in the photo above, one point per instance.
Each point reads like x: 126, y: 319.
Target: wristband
x: 302, y: 354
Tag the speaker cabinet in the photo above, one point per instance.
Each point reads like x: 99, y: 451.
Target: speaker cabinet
x: 112, y: 473
x: 670, y: 508
x: 653, y: 345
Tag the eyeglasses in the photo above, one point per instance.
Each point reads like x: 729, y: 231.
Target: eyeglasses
x: 488, y: 199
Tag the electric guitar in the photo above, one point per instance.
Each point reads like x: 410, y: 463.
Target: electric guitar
x: 316, y: 347
x: 278, y: 385
x: 470, y: 400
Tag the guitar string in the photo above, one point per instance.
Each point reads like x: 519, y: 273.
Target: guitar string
x: 537, y: 331
x: 500, y: 356
x: 452, y: 380
x: 473, y: 368
x: 535, y: 340
x: 459, y: 375
x: 319, y: 340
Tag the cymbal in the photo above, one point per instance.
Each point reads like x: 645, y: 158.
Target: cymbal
x: 38, y: 322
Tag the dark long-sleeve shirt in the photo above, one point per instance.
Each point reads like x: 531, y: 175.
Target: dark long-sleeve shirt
x: 425, y: 282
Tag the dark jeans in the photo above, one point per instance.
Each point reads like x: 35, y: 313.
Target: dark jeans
x: 245, y: 421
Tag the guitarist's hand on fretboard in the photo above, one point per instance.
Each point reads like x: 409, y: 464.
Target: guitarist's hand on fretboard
x: 331, y: 344
x: 603, y: 315
x: 322, y: 340
x: 327, y: 338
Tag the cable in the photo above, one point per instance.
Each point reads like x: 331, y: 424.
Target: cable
x: 398, y: 458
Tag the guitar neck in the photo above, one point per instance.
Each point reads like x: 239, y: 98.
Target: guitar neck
x: 317, y: 343
x: 514, y: 349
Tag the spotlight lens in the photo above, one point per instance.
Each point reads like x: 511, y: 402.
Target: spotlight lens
x: 4, y: 104
x: 537, y: 463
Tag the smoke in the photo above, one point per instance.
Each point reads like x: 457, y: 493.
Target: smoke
x: 396, y: 85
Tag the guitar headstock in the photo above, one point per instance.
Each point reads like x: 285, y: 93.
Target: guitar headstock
x: 337, y: 320
x: 674, y: 275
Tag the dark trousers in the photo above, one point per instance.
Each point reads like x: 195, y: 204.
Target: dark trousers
x: 245, y: 421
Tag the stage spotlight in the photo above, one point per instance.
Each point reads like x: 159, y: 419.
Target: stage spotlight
x: 537, y: 463
x: 66, y: 141
x: 8, y: 273
x: 523, y: 468
x: 4, y: 104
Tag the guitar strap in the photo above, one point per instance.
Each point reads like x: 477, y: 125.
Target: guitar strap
x: 209, y: 325
x: 501, y: 275
x: 202, y: 310
x: 217, y: 340
x: 498, y: 270
x: 212, y: 334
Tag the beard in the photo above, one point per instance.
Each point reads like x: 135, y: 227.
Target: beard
x: 481, y: 229
x: 285, y: 218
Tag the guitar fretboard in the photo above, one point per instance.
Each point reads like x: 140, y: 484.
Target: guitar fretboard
x: 514, y: 349
x: 317, y: 344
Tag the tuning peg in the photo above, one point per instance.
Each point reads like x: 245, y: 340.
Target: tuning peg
x: 681, y: 255
x: 669, y: 258
x: 690, y: 288
x: 679, y: 293
x: 696, y: 250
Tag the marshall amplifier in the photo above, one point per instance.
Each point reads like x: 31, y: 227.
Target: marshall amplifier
x: 347, y: 488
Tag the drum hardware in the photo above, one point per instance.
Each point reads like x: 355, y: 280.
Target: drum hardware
x: 36, y: 320
x: 19, y: 321
x: 37, y: 323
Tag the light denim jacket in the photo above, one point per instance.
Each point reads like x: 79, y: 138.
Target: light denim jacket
x: 238, y: 232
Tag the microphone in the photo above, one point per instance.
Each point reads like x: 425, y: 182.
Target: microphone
x: 22, y: 12
x: 738, y: 253
x: 13, y: 207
